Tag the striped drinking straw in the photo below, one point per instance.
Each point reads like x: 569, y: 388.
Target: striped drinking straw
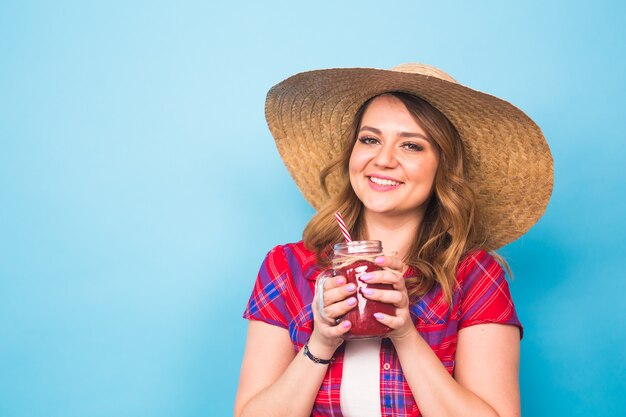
x: 343, y: 227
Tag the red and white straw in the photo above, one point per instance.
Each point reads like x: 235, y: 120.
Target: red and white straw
x: 342, y: 226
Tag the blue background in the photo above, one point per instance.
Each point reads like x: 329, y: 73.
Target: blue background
x: 140, y: 188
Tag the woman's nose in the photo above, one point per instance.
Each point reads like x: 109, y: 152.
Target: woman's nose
x: 385, y: 157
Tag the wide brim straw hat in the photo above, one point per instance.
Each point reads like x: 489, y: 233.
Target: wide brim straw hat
x: 507, y: 160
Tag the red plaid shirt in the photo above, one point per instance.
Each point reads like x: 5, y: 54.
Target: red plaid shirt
x: 284, y: 290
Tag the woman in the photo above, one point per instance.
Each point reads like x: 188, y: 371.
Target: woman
x: 439, y: 173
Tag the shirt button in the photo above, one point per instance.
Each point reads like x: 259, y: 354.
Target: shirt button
x: 386, y: 367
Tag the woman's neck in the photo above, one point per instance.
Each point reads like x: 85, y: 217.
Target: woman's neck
x: 397, y: 234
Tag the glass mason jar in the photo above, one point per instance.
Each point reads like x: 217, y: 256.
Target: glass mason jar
x: 352, y: 260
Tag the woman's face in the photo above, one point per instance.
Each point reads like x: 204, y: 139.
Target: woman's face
x: 393, y: 164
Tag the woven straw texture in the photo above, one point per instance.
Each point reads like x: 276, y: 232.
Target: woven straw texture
x: 508, y: 161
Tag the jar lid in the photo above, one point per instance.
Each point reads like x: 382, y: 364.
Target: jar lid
x: 359, y: 246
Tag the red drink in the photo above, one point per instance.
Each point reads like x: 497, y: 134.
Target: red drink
x: 360, y: 256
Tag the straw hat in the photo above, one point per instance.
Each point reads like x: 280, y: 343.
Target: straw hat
x: 508, y: 161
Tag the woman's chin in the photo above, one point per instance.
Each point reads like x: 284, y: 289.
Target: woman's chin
x: 379, y: 209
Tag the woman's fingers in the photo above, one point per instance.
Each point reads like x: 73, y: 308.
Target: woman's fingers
x: 340, y: 329
x: 384, y: 276
x: 391, y: 262
x: 331, y: 282
x: 339, y: 293
x: 397, y: 298
x: 333, y: 299
x: 339, y: 309
x: 394, y: 322
x: 326, y: 330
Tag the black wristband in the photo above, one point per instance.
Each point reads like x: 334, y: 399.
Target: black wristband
x: 315, y: 359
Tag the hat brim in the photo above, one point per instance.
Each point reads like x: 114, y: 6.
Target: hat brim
x: 509, y: 163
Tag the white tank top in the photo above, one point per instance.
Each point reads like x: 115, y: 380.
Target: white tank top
x: 360, y: 383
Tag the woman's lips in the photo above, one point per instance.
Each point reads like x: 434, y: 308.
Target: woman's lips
x: 382, y: 184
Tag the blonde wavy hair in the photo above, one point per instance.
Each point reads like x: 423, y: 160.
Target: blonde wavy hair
x: 449, y: 228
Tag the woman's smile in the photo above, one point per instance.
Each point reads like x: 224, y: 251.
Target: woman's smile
x: 382, y: 183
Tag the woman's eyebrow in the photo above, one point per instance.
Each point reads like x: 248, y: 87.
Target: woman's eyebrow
x: 402, y: 134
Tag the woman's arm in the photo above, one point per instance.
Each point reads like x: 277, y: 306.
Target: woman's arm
x: 274, y: 381
x: 486, y: 373
x: 487, y: 363
x: 487, y: 360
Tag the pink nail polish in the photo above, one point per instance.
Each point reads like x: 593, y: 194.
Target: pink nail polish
x: 351, y: 287
x: 367, y: 291
x: 366, y: 277
x: 351, y: 301
x: 380, y: 260
x: 345, y: 324
x: 379, y: 315
x: 340, y: 281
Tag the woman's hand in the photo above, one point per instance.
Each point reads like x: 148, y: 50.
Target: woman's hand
x: 392, y: 273
x: 337, y: 298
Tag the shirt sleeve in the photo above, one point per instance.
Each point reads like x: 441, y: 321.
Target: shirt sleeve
x: 485, y: 295
x: 267, y: 302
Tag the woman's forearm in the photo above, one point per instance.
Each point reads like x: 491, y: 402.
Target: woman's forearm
x: 294, y: 392
x: 436, y: 392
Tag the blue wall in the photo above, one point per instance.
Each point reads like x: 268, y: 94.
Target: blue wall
x: 140, y: 188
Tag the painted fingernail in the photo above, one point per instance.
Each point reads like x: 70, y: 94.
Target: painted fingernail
x: 380, y: 260
x: 350, y: 287
x: 367, y: 291
x: 345, y: 324
x: 340, y: 281
x: 366, y: 277
x: 351, y: 301
x: 379, y: 315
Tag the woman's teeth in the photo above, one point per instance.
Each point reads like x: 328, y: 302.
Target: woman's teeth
x: 381, y: 181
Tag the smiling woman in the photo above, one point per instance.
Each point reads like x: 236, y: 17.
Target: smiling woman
x: 427, y: 144
x: 413, y: 160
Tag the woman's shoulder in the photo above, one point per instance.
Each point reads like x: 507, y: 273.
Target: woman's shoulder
x: 478, y: 263
x: 292, y: 256
x: 295, y: 250
x: 484, y: 295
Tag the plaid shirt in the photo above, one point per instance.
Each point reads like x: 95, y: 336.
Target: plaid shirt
x: 284, y: 290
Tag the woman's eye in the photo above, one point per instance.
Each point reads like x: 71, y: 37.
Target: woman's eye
x: 414, y: 147
x: 368, y: 140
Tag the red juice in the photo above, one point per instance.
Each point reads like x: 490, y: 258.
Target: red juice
x: 364, y: 324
